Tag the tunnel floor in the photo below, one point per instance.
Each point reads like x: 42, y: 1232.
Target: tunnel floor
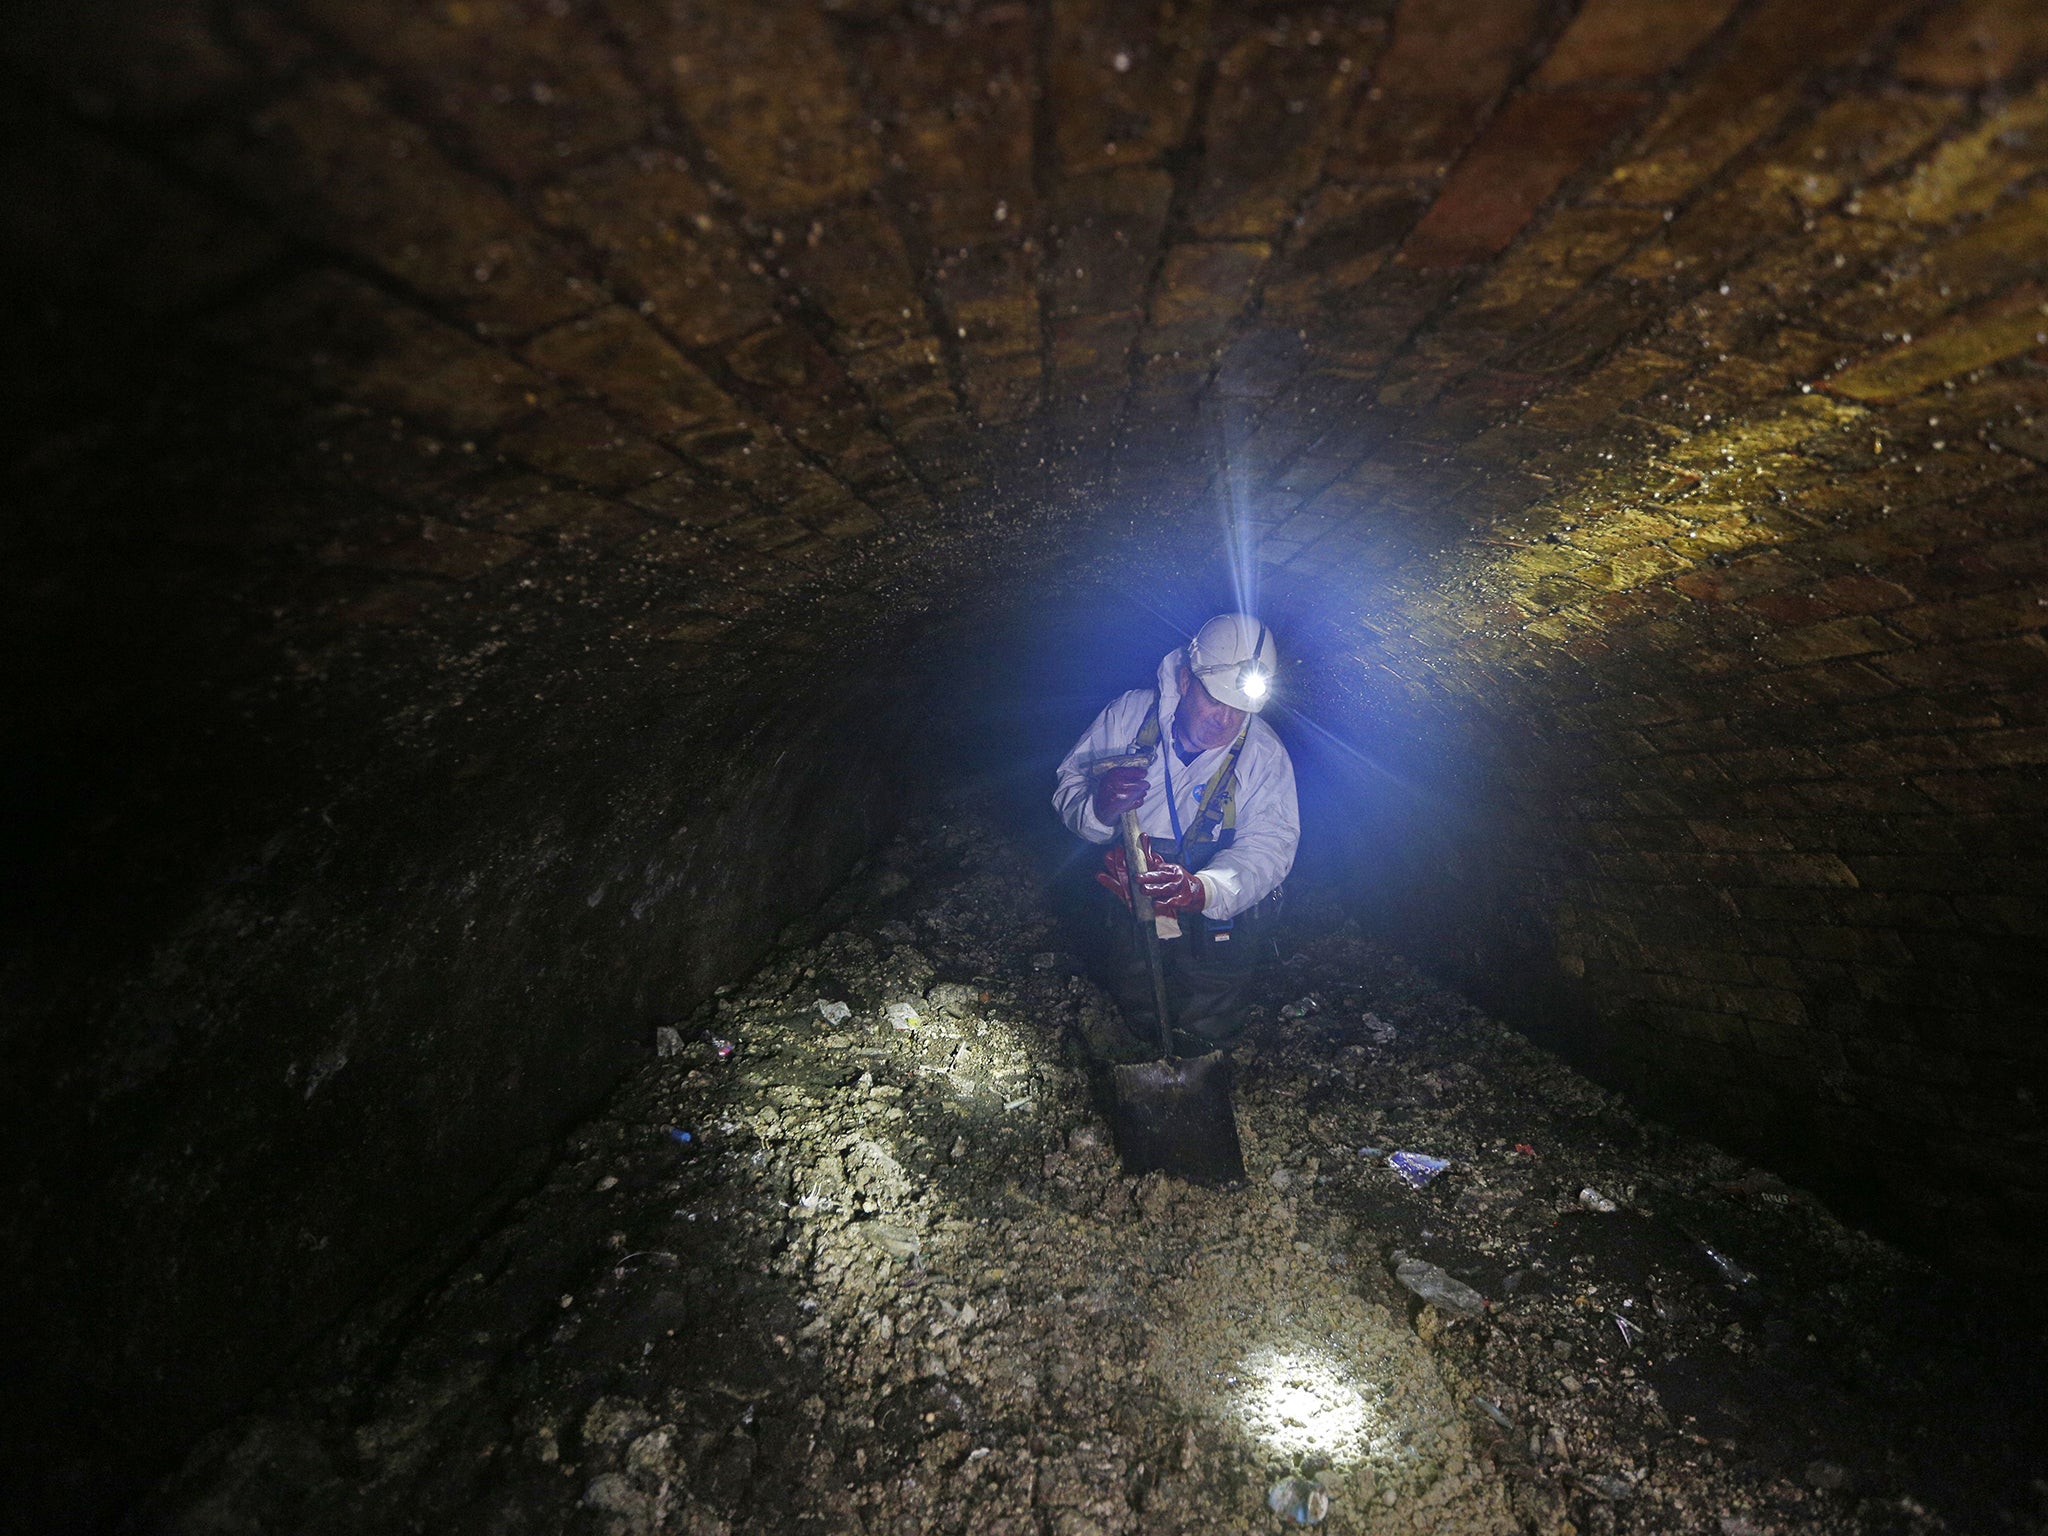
x: 883, y: 1274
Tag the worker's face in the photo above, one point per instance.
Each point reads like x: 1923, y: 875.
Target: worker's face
x: 1199, y: 720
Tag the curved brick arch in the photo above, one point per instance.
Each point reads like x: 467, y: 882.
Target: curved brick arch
x: 436, y: 434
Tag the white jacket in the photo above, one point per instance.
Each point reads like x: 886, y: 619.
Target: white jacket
x: 1268, y: 820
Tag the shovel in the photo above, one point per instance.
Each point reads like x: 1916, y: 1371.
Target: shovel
x: 1172, y: 1115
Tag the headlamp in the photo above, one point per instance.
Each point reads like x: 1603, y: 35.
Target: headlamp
x: 1250, y: 678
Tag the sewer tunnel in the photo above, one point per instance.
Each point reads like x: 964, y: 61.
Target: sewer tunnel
x: 513, y: 505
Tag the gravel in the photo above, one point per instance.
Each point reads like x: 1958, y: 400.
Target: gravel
x: 896, y: 1281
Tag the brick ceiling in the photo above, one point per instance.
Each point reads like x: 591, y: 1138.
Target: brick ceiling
x: 1536, y: 313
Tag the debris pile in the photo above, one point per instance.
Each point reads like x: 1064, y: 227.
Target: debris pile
x: 853, y: 1253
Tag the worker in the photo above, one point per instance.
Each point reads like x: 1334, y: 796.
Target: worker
x: 1216, y: 808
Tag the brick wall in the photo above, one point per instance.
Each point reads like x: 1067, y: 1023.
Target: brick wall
x: 1785, y: 838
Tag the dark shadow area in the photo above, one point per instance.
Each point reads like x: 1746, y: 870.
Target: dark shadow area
x: 250, y: 1097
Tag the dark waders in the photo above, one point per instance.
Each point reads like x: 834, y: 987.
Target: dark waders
x: 1205, y: 976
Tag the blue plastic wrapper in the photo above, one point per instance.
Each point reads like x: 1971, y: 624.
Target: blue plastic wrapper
x: 1416, y: 1167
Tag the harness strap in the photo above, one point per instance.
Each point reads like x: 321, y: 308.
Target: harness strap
x: 1219, y: 797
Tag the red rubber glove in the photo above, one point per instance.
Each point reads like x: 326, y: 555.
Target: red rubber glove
x: 1174, y: 889
x: 1117, y: 791
x: 1115, y: 874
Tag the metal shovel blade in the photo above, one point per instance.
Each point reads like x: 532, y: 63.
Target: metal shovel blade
x: 1174, y: 1116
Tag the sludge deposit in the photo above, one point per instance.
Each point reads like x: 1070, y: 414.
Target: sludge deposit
x: 877, y: 1270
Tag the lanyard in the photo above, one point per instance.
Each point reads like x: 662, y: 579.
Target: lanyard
x: 1207, y: 808
x: 1172, y: 810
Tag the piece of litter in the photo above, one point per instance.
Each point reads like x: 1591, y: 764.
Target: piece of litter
x: 668, y: 1041
x: 902, y: 1015
x: 725, y: 1048
x: 955, y: 999
x: 660, y: 1258
x: 897, y: 1242
x: 1523, y: 1149
x: 1018, y: 1104
x: 682, y: 1138
x: 1300, y: 1008
x: 1767, y: 1186
x: 1593, y: 1200
x: 1372, y: 1152
x: 1731, y: 1271
x: 1495, y: 1412
x: 834, y: 1013
x: 609, y: 1181
x: 1418, y: 1168
x: 1299, y: 1500
x: 1440, y: 1289
x: 1630, y: 1332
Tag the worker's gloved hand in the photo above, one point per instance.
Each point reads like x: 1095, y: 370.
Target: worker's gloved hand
x: 1173, y: 889
x: 1114, y: 876
x: 1117, y: 791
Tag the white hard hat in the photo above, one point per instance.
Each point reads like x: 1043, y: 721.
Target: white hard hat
x: 1235, y: 657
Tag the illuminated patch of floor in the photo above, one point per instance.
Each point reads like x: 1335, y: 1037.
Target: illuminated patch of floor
x: 1305, y: 1402
x: 1263, y: 1339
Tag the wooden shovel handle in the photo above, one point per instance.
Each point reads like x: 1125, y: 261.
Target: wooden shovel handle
x: 1148, y: 930
x: 1134, y: 864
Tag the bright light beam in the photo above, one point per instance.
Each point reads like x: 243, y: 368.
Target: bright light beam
x: 1146, y: 603
x: 1324, y: 733
x: 1240, y: 539
x: 1306, y: 1403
